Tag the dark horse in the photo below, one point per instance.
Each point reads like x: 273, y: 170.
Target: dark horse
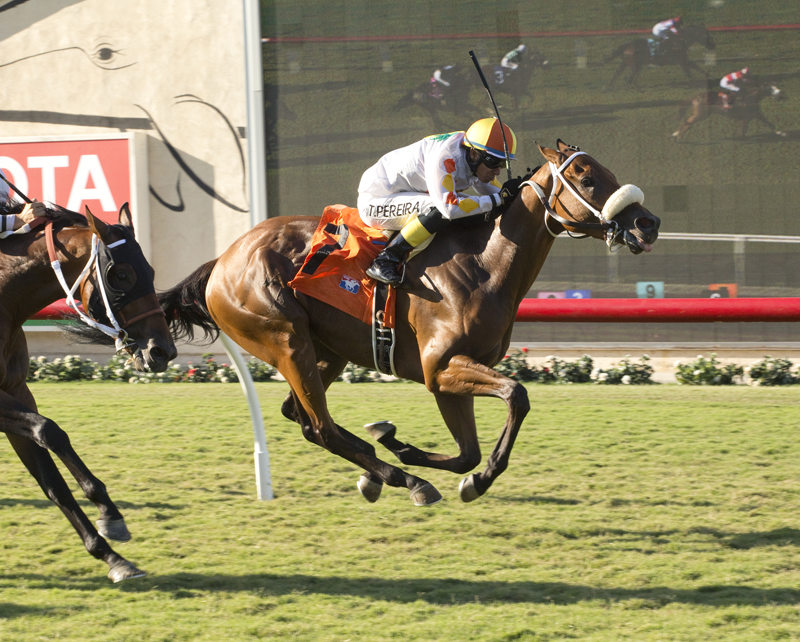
x: 28, y: 283
x: 436, y: 99
x: 454, y: 323
x: 636, y: 54
x: 745, y: 107
x: 517, y: 83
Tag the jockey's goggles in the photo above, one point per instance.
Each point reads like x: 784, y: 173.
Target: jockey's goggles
x: 492, y: 162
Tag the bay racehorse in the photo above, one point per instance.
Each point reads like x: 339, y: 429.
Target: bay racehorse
x: 115, y: 284
x: 453, y: 323
x: 635, y: 54
x: 745, y: 107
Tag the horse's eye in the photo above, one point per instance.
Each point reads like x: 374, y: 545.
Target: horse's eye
x: 587, y: 182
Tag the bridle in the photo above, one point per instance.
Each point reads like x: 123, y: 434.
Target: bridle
x: 114, y: 329
x: 618, y: 201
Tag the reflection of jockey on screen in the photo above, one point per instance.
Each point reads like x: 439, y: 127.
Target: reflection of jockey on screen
x: 730, y: 84
x: 420, y: 188
x: 667, y: 28
x: 513, y: 58
x: 11, y: 223
x: 443, y: 76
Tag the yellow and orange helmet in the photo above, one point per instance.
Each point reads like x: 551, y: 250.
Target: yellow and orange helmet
x: 485, y: 135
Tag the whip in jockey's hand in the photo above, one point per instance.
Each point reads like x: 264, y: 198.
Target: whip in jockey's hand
x: 30, y: 212
x: 420, y: 188
x: 9, y: 223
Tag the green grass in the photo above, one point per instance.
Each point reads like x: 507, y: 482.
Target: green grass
x: 650, y: 513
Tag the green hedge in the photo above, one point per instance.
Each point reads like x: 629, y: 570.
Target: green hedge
x: 705, y: 371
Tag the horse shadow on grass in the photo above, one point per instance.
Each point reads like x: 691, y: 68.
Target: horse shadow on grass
x: 46, y: 503
x: 745, y: 541
x: 437, y: 591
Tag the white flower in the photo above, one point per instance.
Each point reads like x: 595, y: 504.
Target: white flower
x: 677, y: 363
x: 602, y: 376
x: 224, y: 380
x: 626, y: 379
x: 697, y: 373
x: 133, y: 380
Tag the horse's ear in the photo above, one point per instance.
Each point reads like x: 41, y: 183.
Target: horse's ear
x: 566, y: 149
x: 99, y: 227
x: 550, y: 154
x: 125, y: 217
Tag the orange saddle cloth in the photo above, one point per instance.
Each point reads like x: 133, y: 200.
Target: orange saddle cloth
x: 342, y: 249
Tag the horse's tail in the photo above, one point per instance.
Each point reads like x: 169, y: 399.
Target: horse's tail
x: 185, y: 306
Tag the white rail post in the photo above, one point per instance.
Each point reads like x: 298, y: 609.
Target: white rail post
x: 261, y: 455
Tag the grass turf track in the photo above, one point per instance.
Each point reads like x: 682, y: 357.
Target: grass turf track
x: 650, y: 513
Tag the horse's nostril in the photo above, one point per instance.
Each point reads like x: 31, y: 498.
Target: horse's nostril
x: 158, y: 354
x: 643, y: 224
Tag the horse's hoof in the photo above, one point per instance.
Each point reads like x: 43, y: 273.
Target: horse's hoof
x: 467, y: 489
x: 124, y: 570
x: 371, y: 490
x: 426, y: 495
x: 113, y: 529
x: 381, y: 429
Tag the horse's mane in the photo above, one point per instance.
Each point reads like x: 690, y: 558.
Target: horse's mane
x: 62, y: 217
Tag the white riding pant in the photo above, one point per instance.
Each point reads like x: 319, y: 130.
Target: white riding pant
x: 392, y: 212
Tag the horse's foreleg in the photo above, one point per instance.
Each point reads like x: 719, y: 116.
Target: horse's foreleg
x: 43, y: 469
x: 459, y: 416
x: 18, y: 419
x: 763, y: 119
x: 465, y: 376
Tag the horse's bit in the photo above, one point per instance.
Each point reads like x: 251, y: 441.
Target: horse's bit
x: 121, y: 339
x: 618, y: 201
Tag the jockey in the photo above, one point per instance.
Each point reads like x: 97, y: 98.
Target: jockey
x: 730, y: 84
x: 11, y: 223
x: 667, y: 28
x: 420, y: 188
x: 440, y: 76
x: 513, y: 58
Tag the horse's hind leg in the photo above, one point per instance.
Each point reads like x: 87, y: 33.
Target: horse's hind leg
x: 329, y: 365
x: 42, y: 467
x: 291, y: 351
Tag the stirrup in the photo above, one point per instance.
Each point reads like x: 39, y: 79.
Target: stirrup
x: 396, y: 280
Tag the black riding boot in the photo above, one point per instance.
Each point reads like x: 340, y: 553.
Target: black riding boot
x: 387, y: 266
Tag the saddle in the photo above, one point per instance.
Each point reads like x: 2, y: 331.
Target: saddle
x: 334, y: 272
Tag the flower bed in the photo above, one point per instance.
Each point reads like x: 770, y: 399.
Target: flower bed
x: 706, y: 371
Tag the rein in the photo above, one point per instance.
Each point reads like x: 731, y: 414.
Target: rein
x: 116, y: 331
x: 619, y: 200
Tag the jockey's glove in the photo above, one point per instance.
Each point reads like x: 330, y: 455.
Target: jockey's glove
x: 510, y: 190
